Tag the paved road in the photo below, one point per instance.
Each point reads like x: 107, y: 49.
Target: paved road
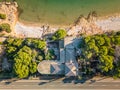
x: 60, y: 85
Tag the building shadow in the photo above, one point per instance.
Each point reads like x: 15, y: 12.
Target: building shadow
x: 76, y: 80
x: 49, y: 78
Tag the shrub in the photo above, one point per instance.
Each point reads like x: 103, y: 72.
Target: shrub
x: 5, y: 27
x: 24, y: 55
x: 39, y: 44
x: 99, y: 40
x: 100, y: 48
x: 39, y: 57
x: 50, y: 55
x: 60, y: 34
x: 2, y: 16
x: 103, y: 50
x: 117, y: 40
x: 106, y: 63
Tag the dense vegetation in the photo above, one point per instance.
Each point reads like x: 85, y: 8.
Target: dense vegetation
x: 59, y: 34
x: 2, y: 16
x: 24, y: 55
x: 98, y: 54
x: 50, y: 55
x: 5, y: 27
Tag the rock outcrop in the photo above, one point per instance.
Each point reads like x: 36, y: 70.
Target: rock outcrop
x: 10, y: 10
x: 85, y: 26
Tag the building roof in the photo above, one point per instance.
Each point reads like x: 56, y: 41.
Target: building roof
x: 61, y: 43
x: 50, y: 67
x: 62, y: 55
x: 57, y: 69
x: 70, y: 55
x: 70, y: 69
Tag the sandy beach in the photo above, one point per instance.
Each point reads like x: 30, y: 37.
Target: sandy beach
x: 87, y: 26
x: 110, y: 23
x: 33, y: 31
x: 36, y: 30
x: 106, y: 25
x: 28, y: 31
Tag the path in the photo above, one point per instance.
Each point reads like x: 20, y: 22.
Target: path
x: 59, y: 84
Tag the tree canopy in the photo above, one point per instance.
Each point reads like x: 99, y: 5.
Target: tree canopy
x: 24, y: 55
x: 59, y: 34
x: 101, y: 48
x: 5, y: 27
x: 2, y: 16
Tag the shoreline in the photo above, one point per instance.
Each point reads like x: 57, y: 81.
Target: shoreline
x: 88, y: 25
x: 109, y: 23
x: 102, y: 24
x: 37, y: 24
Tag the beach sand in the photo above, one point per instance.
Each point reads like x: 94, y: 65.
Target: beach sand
x: 35, y: 30
x: 106, y: 25
x: 110, y: 23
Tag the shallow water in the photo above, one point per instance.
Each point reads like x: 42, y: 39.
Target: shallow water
x: 64, y: 11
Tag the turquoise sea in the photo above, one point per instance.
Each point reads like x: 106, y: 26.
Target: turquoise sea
x: 64, y: 11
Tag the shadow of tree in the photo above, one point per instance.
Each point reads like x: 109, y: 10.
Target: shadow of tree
x: 76, y: 80
x: 42, y: 83
x: 9, y: 81
x: 50, y: 78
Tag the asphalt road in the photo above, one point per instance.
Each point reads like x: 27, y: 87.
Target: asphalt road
x: 50, y: 85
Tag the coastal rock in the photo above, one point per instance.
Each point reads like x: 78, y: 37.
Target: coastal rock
x: 85, y: 26
x: 10, y: 10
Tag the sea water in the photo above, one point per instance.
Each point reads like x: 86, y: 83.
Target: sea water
x: 64, y: 12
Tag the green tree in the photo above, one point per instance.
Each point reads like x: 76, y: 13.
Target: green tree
x: 21, y: 70
x: 116, y: 70
x: 39, y: 44
x: 59, y: 34
x: 17, y: 42
x: 26, y: 49
x: 2, y: 16
x: 118, y: 33
x: 23, y: 57
x: 9, y: 41
x: 10, y: 49
x: 107, y: 41
x: 33, y: 67
x: 117, y: 40
x: 99, y: 40
x: 87, y: 39
x: 22, y: 60
x: 106, y: 63
x: 5, y: 27
x: 50, y: 55
x: 111, y: 51
x: 103, y: 50
x: 39, y: 58
x: 28, y: 41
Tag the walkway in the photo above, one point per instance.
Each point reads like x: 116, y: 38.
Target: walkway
x: 62, y: 84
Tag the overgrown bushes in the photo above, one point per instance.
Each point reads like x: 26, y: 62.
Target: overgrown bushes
x: 59, y: 34
x: 5, y: 27
x: 2, y: 16
x: 24, y: 55
x: 101, y: 48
